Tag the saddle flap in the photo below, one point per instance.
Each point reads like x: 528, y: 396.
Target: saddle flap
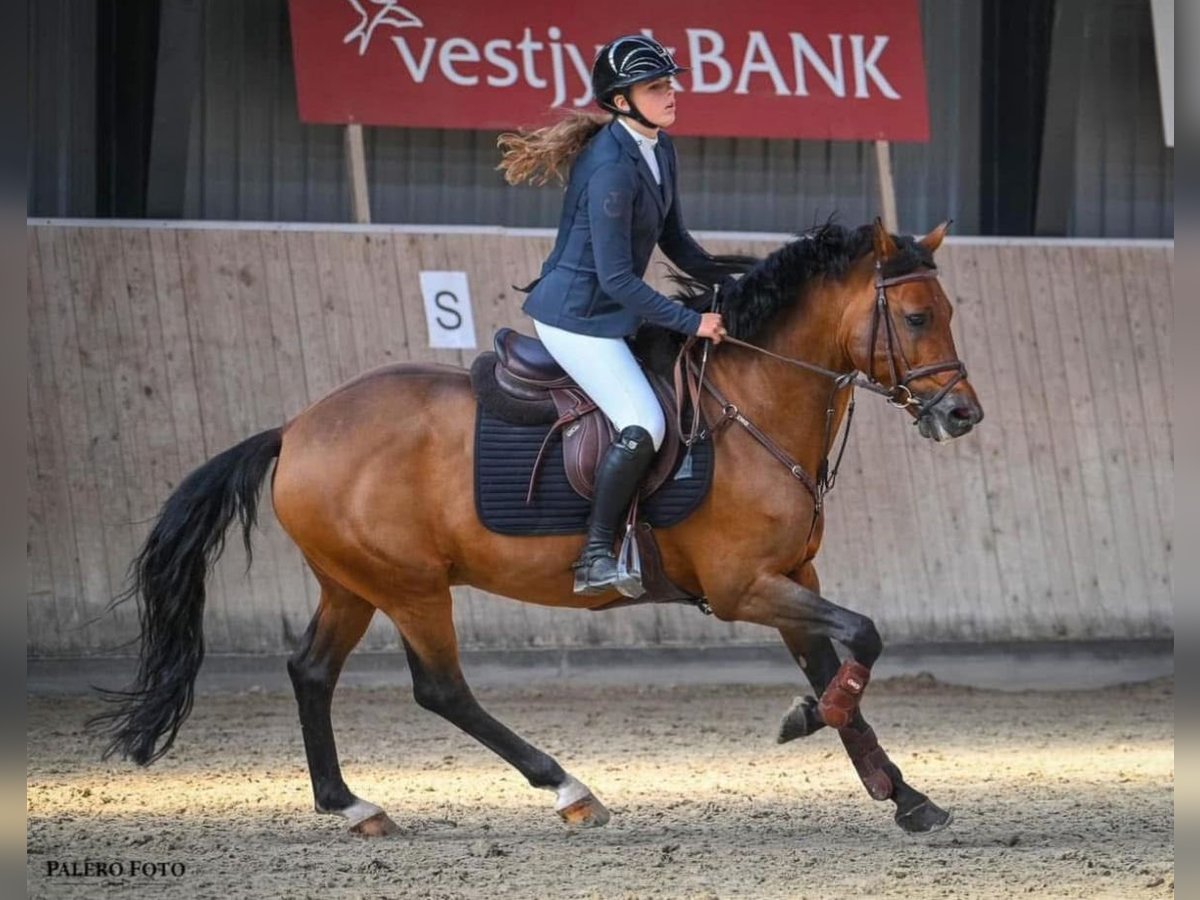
x: 584, y: 440
x: 587, y: 439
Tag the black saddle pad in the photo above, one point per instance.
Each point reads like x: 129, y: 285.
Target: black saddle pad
x: 504, y: 457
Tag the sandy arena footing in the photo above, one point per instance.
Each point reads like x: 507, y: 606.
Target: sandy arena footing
x: 1065, y: 794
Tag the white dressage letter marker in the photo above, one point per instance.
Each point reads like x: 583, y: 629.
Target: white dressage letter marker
x: 448, y: 310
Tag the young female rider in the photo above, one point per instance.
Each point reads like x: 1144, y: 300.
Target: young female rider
x: 621, y: 200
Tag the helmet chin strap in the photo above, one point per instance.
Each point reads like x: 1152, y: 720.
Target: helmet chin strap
x: 634, y: 113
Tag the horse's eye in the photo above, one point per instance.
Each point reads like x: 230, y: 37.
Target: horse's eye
x: 916, y: 320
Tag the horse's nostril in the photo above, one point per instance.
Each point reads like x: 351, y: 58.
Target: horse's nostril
x: 963, y: 413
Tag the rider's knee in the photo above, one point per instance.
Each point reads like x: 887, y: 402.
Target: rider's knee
x: 655, y: 425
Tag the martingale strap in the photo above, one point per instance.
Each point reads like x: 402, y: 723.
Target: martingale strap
x: 730, y: 413
x: 688, y: 377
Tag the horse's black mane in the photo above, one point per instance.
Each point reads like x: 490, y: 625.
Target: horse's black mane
x: 768, y: 286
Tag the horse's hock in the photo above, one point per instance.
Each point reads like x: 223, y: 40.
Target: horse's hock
x: 1035, y: 526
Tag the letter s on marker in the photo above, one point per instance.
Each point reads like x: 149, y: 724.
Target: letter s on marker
x: 437, y: 301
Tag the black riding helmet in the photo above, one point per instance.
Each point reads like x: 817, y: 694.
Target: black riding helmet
x: 627, y: 61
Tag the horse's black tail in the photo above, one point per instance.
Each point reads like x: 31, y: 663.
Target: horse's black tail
x: 167, y: 578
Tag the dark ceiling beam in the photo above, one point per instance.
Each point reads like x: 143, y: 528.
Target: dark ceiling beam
x: 1015, y: 58
x: 1056, y: 176
x: 123, y: 87
x: 177, y: 84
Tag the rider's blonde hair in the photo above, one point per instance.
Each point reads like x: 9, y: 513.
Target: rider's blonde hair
x: 545, y: 153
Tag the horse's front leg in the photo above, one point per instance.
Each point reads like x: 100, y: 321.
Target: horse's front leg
x: 779, y: 602
x: 813, y: 650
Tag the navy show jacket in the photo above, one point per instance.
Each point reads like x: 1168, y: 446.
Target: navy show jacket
x: 613, y: 215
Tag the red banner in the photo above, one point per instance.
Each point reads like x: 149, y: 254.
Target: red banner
x: 848, y: 70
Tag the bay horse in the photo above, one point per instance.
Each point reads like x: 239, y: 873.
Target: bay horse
x: 373, y: 484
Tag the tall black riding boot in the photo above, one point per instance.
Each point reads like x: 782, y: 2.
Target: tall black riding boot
x: 618, y: 477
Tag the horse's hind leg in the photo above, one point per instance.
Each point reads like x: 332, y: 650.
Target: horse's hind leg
x: 338, y: 625
x: 915, y: 813
x: 439, y: 686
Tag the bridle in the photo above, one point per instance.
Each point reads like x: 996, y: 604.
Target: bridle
x: 899, y: 394
x: 900, y: 386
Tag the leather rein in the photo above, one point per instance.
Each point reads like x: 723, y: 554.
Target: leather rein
x: 899, y: 395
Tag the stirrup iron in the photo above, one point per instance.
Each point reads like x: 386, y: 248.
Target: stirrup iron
x: 629, y: 559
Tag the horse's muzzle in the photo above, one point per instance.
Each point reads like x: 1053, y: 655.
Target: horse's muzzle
x: 952, y: 417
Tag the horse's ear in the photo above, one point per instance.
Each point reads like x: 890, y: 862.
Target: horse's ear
x: 885, y: 247
x: 933, y: 240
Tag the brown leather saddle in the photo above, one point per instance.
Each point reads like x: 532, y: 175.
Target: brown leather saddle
x: 522, y: 382
x: 526, y: 371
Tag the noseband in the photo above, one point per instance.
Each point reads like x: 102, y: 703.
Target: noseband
x: 899, y: 394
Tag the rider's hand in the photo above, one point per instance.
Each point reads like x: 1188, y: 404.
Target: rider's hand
x: 712, y: 326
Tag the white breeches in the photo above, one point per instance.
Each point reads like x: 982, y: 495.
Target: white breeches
x: 606, y: 369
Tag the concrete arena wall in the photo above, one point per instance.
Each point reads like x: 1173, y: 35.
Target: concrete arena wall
x: 153, y: 347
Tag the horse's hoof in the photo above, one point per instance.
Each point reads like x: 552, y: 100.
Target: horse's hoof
x: 587, y: 812
x: 924, y: 818
x: 378, y: 825
x: 799, y: 721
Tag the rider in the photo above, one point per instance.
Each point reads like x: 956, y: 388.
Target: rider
x: 621, y: 200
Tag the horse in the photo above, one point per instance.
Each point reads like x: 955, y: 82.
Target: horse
x: 372, y: 483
